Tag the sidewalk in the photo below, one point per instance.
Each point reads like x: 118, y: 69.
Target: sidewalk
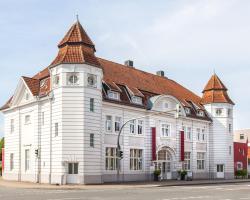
x: 127, y: 185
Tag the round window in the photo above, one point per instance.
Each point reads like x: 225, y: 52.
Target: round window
x: 91, y: 80
x: 73, y: 79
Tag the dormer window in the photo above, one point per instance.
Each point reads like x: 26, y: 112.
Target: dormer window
x: 137, y: 100
x: 92, y: 80
x: 187, y: 110
x: 73, y: 79
x: 113, y: 95
x: 27, y: 96
x: 200, y: 113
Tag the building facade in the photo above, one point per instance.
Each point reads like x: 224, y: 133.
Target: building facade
x: 242, y: 149
x: 61, y: 125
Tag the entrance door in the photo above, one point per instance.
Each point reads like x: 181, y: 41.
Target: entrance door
x: 220, y: 171
x: 72, y: 176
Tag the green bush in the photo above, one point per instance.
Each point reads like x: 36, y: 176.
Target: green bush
x: 157, y: 172
x: 241, y: 173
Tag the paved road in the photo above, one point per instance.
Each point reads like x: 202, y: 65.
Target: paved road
x: 209, y: 192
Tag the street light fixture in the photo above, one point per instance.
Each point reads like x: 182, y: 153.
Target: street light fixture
x: 119, y: 153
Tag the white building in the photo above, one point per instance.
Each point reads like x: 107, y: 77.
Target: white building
x: 61, y: 125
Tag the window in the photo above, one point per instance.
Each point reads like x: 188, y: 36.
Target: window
x: 187, y: 162
x: 113, y: 95
x: 118, y: 124
x: 27, y: 119
x: 239, y: 165
x: 198, y: 134
x: 200, y: 161
x: 56, y: 129
x: 135, y: 159
x: 230, y: 128
x: 200, y: 113
x: 220, y: 168
x: 91, y: 140
x: 165, y: 130
x: 111, y: 159
x: 27, y: 159
x: 55, y: 80
x: 108, y: 123
x: 229, y: 112
x: 72, y: 168
x: 12, y: 125
x: 218, y: 111
x: 165, y: 105
x: 189, y: 132
x: 242, y: 136
x: 11, y: 161
x: 203, y: 135
x: 230, y: 150
x: 92, y: 80
x: 27, y: 96
x: 92, y: 103
x: 140, y: 127
x: 42, y: 118
x: 132, y: 127
x: 187, y: 110
x: 136, y: 100
x: 73, y: 78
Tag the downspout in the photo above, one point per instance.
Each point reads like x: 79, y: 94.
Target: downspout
x: 50, y: 142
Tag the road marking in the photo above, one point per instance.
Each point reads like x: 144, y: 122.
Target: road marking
x: 70, y: 198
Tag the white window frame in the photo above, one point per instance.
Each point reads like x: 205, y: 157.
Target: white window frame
x: 218, y: 111
x: 200, y: 113
x: 92, y: 105
x: 92, y: 140
x: 94, y: 77
x: 27, y: 119
x: 203, y: 135
x: 198, y: 133
x: 187, y: 161
x: 74, y: 168
x: 132, y: 125
x: 140, y: 127
x: 230, y: 128
x: 75, y: 76
x: 12, y: 126
x: 189, y: 133
x: 56, y: 129
x: 239, y: 164
x: 113, y: 95
x: 118, y: 123
x: 136, y: 100
x: 187, y: 110
x: 56, y: 80
x: 108, y: 123
x: 110, y: 158
x: 201, y: 161
x: 27, y: 159
x: 241, y: 136
x: 136, y: 159
x: 165, y: 130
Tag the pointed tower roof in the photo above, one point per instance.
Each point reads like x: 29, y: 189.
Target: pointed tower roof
x: 76, y: 34
x: 76, y: 47
x: 215, y: 92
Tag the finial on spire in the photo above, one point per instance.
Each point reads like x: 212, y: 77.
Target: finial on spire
x: 214, y: 71
x: 77, y: 18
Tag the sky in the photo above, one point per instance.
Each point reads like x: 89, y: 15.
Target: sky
x: 188, y: 39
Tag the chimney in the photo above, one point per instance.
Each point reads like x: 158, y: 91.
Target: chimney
x: 160, y: 73
x: 129, y: 63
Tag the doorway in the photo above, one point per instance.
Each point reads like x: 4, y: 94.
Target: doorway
x: 220, y: 171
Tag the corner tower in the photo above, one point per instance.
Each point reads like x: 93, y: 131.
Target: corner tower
x: 220, y: 107
x: 76, y: 83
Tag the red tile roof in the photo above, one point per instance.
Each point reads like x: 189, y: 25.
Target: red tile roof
x: 76, y: 34
x: 215, y: 92
x: 143, y: 81
x: 33, y: 84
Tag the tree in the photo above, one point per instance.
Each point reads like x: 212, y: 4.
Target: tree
x: 1, y: 146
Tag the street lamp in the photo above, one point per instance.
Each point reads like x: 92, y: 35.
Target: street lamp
x: 119, y: 153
